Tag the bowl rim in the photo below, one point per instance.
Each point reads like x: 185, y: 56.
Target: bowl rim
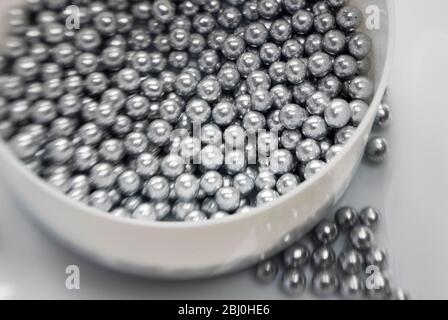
x: 7, y: 154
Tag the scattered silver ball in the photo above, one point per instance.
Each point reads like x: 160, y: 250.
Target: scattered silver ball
x: 376, y: 149
x: 351, y: 287
x: 326, y: 232
x: 325, y: 283
x: 383, y: 115
x: 361, y: 238
x: 294, y: 282
x: 376, y: 257
x: 369, y: 217
x: 267, y: 271
x: 351, y: 262
x: 346, y: 218
x: 296, y: 256
x: 323, y: 257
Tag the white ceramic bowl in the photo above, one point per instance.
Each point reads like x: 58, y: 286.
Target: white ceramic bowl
x: 203, y: 249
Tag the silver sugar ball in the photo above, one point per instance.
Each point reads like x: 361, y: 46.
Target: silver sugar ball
x: 233, y: 47
x: 186, y: 186
x: 324, y: 22
x: 60, y: 150
x: 351, y: 261
x: 211, y: 182
x: 129, y: 182
x: 325, y: 283
x: 243, y: 183
x: 292, y: 49
x: 228, y: 78
x: 100, y: 199
x: 147, y: 165
x: 102, y: 176
x: 376, y: 149
x: 359, y: 109
x: 361, y: 238
x: 294, y: 5
x: 376, y: 257
x: 361, y: 88
x: 266, y: 196
x: 135, y: 143
x: 209, y: 89
x: 172, y: 166
x: 344, y: 134
x: 277, y: 72
x: 195, y: 216
x: 351, y: 287
x: 223, y: 113
x: 209, y: 206
x: 302, y: 92
x: 281, y: 161
x: 266, y: 271
x: 163, y: 11
x: 248, y: 62
x: 211, y: 134
x: 323, y: 257
x: 313, y: 43
x: 346, y: 218
x: 302, y: 21
x: 295, y: 71
x: 157, y: 188
x: 320, y: 64
x: 85, y: 157
x: 349, y: 18
x: 383, y: 115
x: 294, y: 282
x: 261, y: 100
x: 317, y: 103
x: 280, y: 30
x: 315, y: 128
x: 227, y: 198
x: 145, y: 212
x: 292, y: 116
x: 296, y: 256
x: 286, y: 183
x: 290, y: 138
x: 159, y: 132
x: 307, y: 150
x: 369, y: 217
x: 256, y: 34
x: 338, y: 113
x: 345, y: 66
x: 326, y: 232
x: 313, y: 167
x: 360, y: 45
x: 378, y: 286
x: 211, y: 157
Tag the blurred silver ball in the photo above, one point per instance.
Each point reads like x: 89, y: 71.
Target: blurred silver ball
x: 325, y: 283
x: 266, y: 271
x: 294, y: 282
x: 361, y: 238
x: 351, y: 261
x: 346, y: 218
x: 297, y: 256
x: 351, y: 287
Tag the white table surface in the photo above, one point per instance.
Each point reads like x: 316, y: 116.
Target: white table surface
x: 411, y: 188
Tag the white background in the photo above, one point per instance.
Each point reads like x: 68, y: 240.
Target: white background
x: 411, y: 188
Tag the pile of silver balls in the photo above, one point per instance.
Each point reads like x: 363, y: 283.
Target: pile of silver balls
x: 106, y: 112
x: 340, y: 257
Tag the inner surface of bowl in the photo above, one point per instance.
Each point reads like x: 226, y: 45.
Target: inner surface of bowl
x: 199, y: 249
